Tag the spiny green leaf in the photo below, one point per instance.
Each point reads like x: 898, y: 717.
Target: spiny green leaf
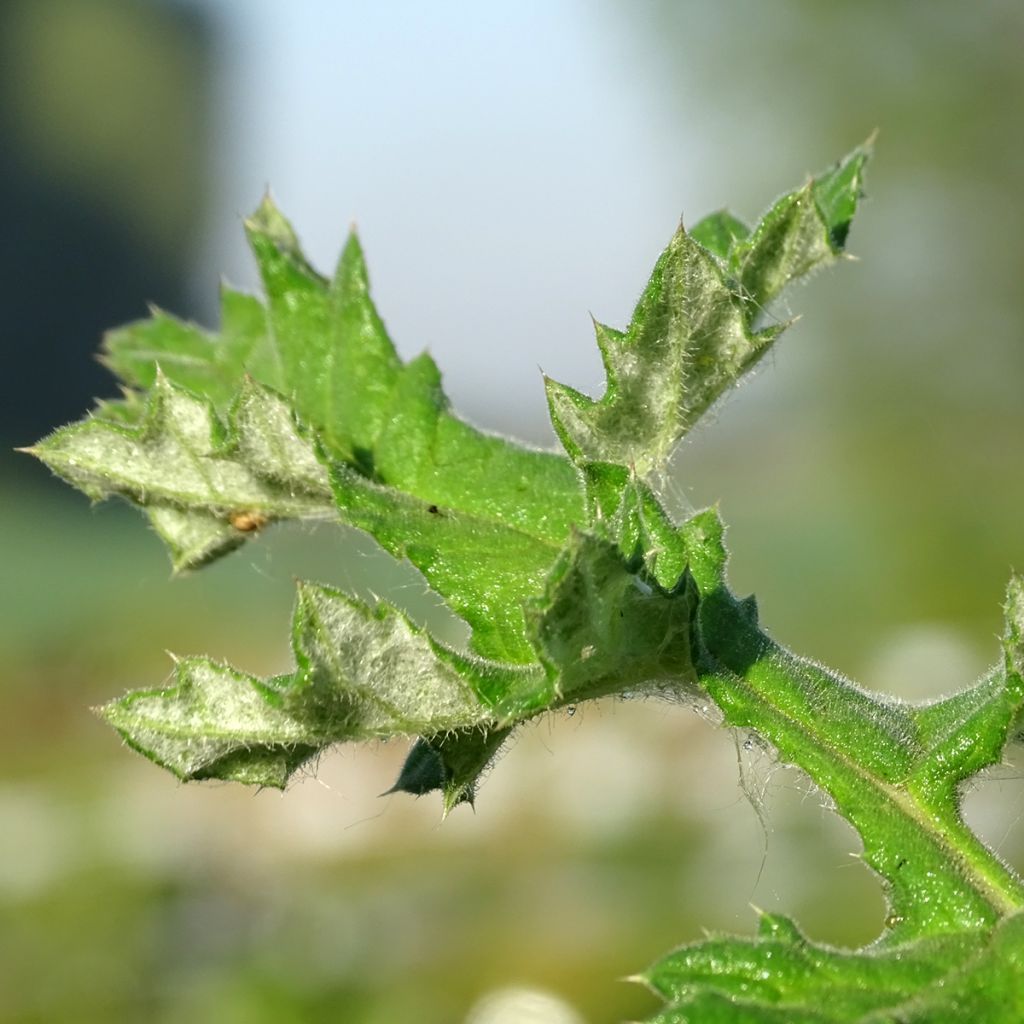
x: 485, y: 551
x: 688, y: 341
x: 781, y: 977
x: 451, y: 765
x: 892, y: 770
x: 696, y: 328
x: 485, y: 569
x: 576, y: 584
x: 209, y: 365
x: 720, y: 233
x: 360, y: 673
x: 803, y: 230
x: 963, y: 735
x: 206, y: 486
x: 1013, y: 635
x: 625, y: 509
x: 332, y: 351
x: 215, y: 723
x: 195, y: 537
x: 601, y: 627
x: 502, y: 510
x: 838, y: 191
x: 129, y: 410
x: 373, y: 669
x: 324, y: 346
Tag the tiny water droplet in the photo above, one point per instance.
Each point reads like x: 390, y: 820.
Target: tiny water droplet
x: 748, y: 744
x: 570, y: 710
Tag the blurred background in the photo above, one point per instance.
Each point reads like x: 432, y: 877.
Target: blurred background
x: 511, y: 166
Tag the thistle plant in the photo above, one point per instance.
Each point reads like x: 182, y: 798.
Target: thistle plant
x: 575, y: 583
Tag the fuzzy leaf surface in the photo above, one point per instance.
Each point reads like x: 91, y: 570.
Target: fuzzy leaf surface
x: 361, y: 673
x: 323, y: 344
x: 697, y: 327
x: 481, y: 517
x: 205, y: 485
x: 601, y: 626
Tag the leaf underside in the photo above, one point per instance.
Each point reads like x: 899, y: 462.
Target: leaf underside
x: 574, y: 581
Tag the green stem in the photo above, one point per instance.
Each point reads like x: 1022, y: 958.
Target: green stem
x: 861, y: 750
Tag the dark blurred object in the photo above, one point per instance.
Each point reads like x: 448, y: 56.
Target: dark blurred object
x: 104, y: 113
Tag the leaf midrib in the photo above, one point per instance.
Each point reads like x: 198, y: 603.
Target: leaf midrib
x: 978, y: 867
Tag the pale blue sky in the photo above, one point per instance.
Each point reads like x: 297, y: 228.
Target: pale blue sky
x: 511, y: 166
x: 515, y: 165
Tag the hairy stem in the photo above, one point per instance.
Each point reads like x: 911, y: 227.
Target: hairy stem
x: 860, y: 750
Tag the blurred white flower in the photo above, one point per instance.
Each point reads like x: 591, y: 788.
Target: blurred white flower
x: 522, y: 1006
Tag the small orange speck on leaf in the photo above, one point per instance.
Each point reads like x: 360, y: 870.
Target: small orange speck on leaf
x: 247, y: 522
